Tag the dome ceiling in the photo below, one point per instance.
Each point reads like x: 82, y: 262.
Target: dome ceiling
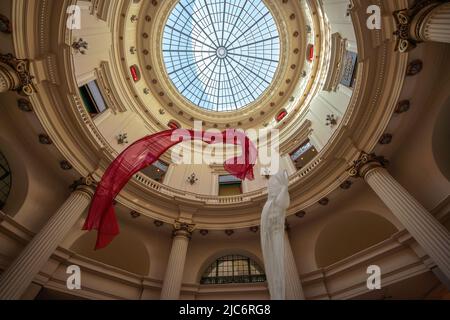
x: 221, y: 55
x: 227, y: 63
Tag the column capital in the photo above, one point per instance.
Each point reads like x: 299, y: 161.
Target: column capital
x: 84, y: 184
x: 17, y: 71
x: 184, y: 229
x: 364, y: 163
x: 409, y: 23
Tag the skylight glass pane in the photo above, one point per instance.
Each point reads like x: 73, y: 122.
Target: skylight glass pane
x: 221, y: 54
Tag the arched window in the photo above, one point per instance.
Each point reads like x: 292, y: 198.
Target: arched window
x: 233, y: 269
x: 5, y: 180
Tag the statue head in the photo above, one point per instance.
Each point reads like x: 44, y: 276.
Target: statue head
x: 276, y: 182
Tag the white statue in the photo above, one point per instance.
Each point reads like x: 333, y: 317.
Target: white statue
x: 272, y: 233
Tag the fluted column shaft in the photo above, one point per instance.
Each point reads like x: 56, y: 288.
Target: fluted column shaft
x: 175, y: 266
x: 294, y: 290
x: 428, y: 232
x: 19, y: 275
x: 433, y: 25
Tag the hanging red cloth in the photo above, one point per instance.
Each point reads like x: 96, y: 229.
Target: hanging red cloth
x: 142, y: 154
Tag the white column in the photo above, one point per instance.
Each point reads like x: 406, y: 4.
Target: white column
x: 18, y: 276
x: 429, y: 233
x: 294, y: 290
x: 175, y: 266
x: 434, y: 25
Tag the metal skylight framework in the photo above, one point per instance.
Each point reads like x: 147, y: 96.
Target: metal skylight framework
x: 221, y: 54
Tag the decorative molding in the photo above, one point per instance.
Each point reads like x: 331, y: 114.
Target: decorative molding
x: 338, y: 47
x: 158, y: 223
x: 5, y: 25
x: 409, y: 23
x: 105, y: 80
x: 80, y: 46
x: 45, y: 139
x: 403, y: 106
x: 83, y: 181
x: 183, y: 229
x: 386, y: 139
x: 65, y: 165
x: 414, y: 68
x: 346, y: 185
x: 24, y: 105
x: 300, y: 214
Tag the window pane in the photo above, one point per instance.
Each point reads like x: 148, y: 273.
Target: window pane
x: 233, y: 269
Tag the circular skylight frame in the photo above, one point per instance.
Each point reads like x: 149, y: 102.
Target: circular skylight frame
x: 246, y: 50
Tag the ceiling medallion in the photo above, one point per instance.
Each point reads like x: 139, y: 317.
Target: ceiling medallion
x: 403, y: 106
x: 300, y: 214
x: 65, y: 165
x: 135, y: 214
x: 346, y: 185
x: 44, y: 139
x: 414, y: 68
x: 158, y: 223
x: 385, y: 139
x: 229, y: 232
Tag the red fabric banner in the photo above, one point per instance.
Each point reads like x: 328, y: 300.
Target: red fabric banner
x: 143, y: 153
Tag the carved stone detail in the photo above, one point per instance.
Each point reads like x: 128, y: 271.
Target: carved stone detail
x: 409, y: 23
x: 83, y: 181
x: 183, y: 229
x: 364, y: 163
x: 16, y: 74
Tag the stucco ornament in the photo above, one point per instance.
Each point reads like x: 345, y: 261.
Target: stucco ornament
x: 272, y: 233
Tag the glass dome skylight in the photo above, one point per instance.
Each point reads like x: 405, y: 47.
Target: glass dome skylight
x: 221, y: 54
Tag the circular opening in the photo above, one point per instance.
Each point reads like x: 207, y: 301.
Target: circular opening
x: 221, y: 55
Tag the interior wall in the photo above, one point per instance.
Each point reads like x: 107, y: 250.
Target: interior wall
x: 36, y: 191
x: 304, y: 235
x: 350, y: 233
x: 413, y: 163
